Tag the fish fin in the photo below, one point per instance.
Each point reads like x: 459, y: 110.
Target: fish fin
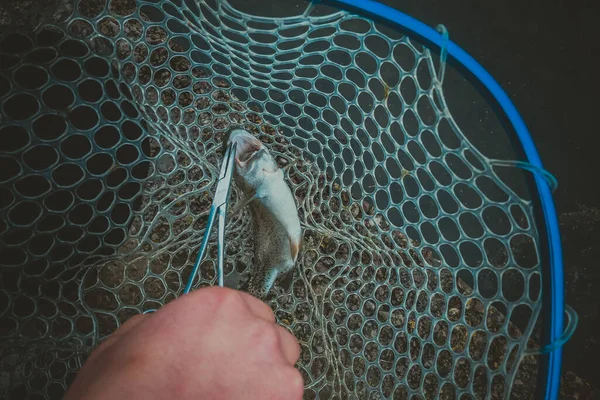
x: 294, y: 248
x: 268, y: 280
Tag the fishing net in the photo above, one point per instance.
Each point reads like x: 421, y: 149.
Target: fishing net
x: 419, y: 276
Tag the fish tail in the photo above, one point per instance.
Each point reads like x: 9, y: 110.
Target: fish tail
x: 295, y: 246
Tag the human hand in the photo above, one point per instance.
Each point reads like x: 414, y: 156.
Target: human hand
x: 214, y: 343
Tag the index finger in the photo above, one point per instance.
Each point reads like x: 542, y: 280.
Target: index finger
x: 123, y: 329
x: 258, y: 307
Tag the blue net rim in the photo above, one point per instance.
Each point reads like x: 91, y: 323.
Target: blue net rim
x: 556, y: 279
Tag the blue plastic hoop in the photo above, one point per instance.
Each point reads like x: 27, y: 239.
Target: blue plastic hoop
x: 556, y: 264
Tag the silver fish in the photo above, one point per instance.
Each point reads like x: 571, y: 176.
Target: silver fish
x: 277, y: 231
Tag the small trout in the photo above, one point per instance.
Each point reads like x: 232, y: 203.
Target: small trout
x: 277, y: 232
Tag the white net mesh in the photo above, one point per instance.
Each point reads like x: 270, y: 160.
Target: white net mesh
x: 419, y: 274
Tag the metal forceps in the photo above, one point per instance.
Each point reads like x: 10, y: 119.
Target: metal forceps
x: 217, y: 208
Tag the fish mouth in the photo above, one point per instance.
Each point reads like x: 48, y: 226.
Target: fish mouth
x: 246, y: 145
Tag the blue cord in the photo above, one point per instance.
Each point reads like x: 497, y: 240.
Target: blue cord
x: 550, y: 179
x: 556, y: 265
x: 444, y: 51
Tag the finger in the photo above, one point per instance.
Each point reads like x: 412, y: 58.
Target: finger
x: 257, y: 307
x: 129, y: 325
x: 289, y: 345
x: 213, y: 294
x: 126, y: 327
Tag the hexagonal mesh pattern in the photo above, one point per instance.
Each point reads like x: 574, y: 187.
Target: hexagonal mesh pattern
x: 419, y: 275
